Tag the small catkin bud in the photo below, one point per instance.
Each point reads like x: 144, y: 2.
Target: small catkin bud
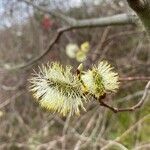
x: 85, y: 47
x: 80, y: 56
x: 71, y: 50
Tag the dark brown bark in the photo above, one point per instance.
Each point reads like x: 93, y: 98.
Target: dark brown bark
x: 142, y: 9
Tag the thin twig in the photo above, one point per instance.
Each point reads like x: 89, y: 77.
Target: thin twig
x: 134, y: 78
x: 89, y: 124
x: 118, y: 139
x: 136, y: 106
x: 36, y: 59
x: 119, y: 19
x: 6, y: 102
x: 67, y: 19
x: 143, y: 146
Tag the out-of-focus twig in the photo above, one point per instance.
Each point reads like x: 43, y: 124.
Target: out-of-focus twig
x: 143, y: 146
x: 89, y: 124
x: 102, y: 40
x: 129, y: 130
x: 134, y: 78
x: 131, y: 96
x: 136, y: 106
x: 11, y: 88
x: 118, y: 139
x: 36, y: 59
x: 45, y: 52
x: 67, y: 19
x: 6, y: 102
x: 120, y: 19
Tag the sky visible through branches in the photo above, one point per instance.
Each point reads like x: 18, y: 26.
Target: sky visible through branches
x: 18, y: 12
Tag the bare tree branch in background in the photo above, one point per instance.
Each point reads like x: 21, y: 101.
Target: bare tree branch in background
x: 120, y: 19
x: 118, y: 139
x: 89, y: 23
x: 142, y: 9
x: 30, y: 63
x: 134, y: 78
x: 53, y: 13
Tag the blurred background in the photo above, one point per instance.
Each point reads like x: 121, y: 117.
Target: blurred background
x: 25, y: 33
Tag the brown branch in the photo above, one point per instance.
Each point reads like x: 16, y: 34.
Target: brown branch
x: 136, y: 106
x: 56, y: 38
x: 115, y: 20
x: 119, y: 19
x: 142, y: 9
x: 9, y: 100
x: 36, y: 59
x: 134, y: 78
